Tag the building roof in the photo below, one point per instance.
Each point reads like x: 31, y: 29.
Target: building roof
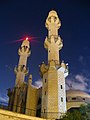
x: 75, y: 93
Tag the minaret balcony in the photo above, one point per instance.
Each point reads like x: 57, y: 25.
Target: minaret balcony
x: 52, y: 18
x: 43, y: 68
x: 21, y: 68
x: 22, y: 51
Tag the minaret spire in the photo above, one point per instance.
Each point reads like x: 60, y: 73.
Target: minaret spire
x: 21, y: 70
x: 53, y: 41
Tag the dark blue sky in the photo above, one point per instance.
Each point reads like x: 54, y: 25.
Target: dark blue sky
x: 20, y: 18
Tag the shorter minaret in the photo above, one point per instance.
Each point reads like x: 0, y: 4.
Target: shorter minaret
x: 21, y: 70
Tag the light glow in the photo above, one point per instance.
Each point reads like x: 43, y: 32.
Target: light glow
x: 26, y: 38
x: 31, y: 39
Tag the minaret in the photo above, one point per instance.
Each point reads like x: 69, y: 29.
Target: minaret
x: 53, y: 42
x: 21, y: 70
x: 54, y: 73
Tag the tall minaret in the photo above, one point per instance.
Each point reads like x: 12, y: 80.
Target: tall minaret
x: 53, y: 42
x: 54, y: 73
x: 21, y: 70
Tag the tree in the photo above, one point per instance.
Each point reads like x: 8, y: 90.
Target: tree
x: 74, y: 115
x: 82, y: 114
x: 85, y: 111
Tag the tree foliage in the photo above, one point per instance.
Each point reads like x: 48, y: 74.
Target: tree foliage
x: 74, y: 115
x: 85, y: 111
x: 82, y: 114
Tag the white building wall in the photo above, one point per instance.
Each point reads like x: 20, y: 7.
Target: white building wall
x: 61, y: 91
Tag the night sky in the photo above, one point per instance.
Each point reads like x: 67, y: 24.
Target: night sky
x: 21, y: 18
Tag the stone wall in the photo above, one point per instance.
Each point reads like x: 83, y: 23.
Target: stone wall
x: 32, y: 100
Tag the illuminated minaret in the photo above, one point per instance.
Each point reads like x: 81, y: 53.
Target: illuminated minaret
x: 53, y: 42
x: 21, y: 70
x: 54, y: 73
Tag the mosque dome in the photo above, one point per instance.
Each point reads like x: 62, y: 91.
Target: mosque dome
x: 76, y: 98
x: 77, y: 93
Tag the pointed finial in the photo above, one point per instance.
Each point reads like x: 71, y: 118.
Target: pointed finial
x: 30, y: 79
x: 63, y: 64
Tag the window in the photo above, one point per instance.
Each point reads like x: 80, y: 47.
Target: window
x: 61, y: 87
x: 44, y: 110
x: 83, y: 98
x: 61, y: 99
x: 45, y: 80
x: 73, y: 98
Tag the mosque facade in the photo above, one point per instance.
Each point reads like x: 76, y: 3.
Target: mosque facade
x: 50, y: 101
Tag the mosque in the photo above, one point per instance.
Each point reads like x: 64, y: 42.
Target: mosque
x: 52, y: 100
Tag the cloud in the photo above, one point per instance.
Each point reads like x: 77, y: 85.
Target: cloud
x: 82, y: 79
x: 77, y: 81
x: 3, y: 97
x: 38, y: 83
x: 67, y: 87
